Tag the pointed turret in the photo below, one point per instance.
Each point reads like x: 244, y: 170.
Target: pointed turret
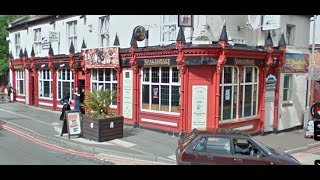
x: 50, y: 51
x: 32, y: 52
x: 71, y: 49
x: 116, y: 41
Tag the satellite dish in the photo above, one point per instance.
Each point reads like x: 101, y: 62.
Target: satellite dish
x: 254, y: 21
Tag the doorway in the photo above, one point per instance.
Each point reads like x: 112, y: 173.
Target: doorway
x: 81, y: 85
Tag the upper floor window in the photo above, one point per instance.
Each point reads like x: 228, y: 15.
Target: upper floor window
x: 290, y: 33
x: 72, y: 34
x: 168, y: 29
x: 287, y: 87
x: 17, y: 43
x: 37, y: 41
x: 104, y: 37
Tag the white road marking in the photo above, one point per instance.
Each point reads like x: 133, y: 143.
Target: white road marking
x: 26, y: 117
x: 300, y: 148
x: 122, y: 143
x: 172, y: 157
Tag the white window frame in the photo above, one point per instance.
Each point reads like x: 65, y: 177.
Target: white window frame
x: 17, y: 43
x: 104, y: 36
x: 238, y: 84
x: 113, y: 80
x: 289, y: 89
x: 20, y: 82
x: 150, y: 83
x: 168, y: 29
x: 72, y: 34
x: 61, y: 78
x: 290, y: 34
x: 37, y: 41
x: 45, y: 75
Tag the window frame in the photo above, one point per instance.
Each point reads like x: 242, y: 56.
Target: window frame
x: 72, y: 35
x: 111, y: 82
x: 61, y: 80
x: 289, y: 96
x: 168, y: 21
x: 104, y: 25
x: 159, y: 83
x: 240, y: 86
x: 41, y: 78
x: 17, y: 43
x: 20, y: 74
x: 37, y: 41
x: 290, y: 34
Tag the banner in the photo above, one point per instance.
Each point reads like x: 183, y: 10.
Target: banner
x: 102, y: 57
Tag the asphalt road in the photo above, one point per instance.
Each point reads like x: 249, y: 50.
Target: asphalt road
x: 16, y: 150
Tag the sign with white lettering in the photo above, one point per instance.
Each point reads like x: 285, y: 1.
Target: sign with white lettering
x: 271, y: 82
x: 166, y: 61
x: 201, y: 60
x: 45, y: 43
x: 245, y: 62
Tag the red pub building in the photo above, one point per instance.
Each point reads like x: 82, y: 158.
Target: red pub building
x: 172, y: 88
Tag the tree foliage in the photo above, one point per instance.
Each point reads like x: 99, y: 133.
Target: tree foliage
x: 4, y: 46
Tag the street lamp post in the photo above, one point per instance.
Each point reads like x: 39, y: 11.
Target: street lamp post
x: 310, y: 74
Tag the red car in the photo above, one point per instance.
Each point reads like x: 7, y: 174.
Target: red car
x: 227, y: 147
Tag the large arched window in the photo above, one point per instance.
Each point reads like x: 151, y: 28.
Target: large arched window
x: 239, y: 92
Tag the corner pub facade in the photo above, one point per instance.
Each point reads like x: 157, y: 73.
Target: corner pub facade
x: 171, y: 88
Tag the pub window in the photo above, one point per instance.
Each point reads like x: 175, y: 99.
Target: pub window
x: 65, y: 83
x: 45, y: 83
x: 160, y: 89
x: 102, y: 79
x: 239, y: 92
x: 20, y: 82
x: 287, y: 87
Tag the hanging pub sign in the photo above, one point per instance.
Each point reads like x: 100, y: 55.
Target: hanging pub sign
x: 200, y: 60
x: 139, y: 33
x: 245, y: 62
x: 271, y: 82
x: 102, y: 57
x: 164, y: 61
x: 316, y: 130
x: 296, y: 62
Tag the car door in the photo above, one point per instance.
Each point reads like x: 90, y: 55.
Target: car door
x: 253, y: 155
x: 195, y: 153
x: 218, y: 151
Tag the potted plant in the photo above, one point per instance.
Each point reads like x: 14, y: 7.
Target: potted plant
x: 98, y: 123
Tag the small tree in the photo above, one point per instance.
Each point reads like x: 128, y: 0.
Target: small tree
x: 98, y: 102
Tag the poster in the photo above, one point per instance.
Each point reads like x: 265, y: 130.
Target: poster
x: 199, y: 106
x: 155, y: 93
x: 227, y: 95
x: 73, y: 121
x: 127, y: 94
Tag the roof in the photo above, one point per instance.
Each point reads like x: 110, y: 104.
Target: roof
x: 222, y: 131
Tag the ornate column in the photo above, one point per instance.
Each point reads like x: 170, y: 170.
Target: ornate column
x: 135, y: 77
x: 54, y: 87
x: 119, y: 92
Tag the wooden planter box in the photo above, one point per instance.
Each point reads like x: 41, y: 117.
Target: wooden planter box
x: 102, y: 129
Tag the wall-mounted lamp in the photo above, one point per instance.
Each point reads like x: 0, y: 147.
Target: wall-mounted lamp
x: 82, y: 16
x: 90, y: 27
x: 275, y: 61
x: 51, y: 22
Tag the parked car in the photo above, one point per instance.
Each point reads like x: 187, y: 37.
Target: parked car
x: 227, y: 147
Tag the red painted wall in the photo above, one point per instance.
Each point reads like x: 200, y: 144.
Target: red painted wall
x: 200, y: 75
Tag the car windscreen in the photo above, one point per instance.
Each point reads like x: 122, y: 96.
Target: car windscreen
x: 266, y: 148
x: 188, y: 137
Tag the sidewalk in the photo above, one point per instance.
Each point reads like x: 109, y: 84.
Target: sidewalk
x: 138, y: 146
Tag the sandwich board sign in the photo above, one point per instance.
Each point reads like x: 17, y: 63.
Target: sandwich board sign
x: 72, y: 124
